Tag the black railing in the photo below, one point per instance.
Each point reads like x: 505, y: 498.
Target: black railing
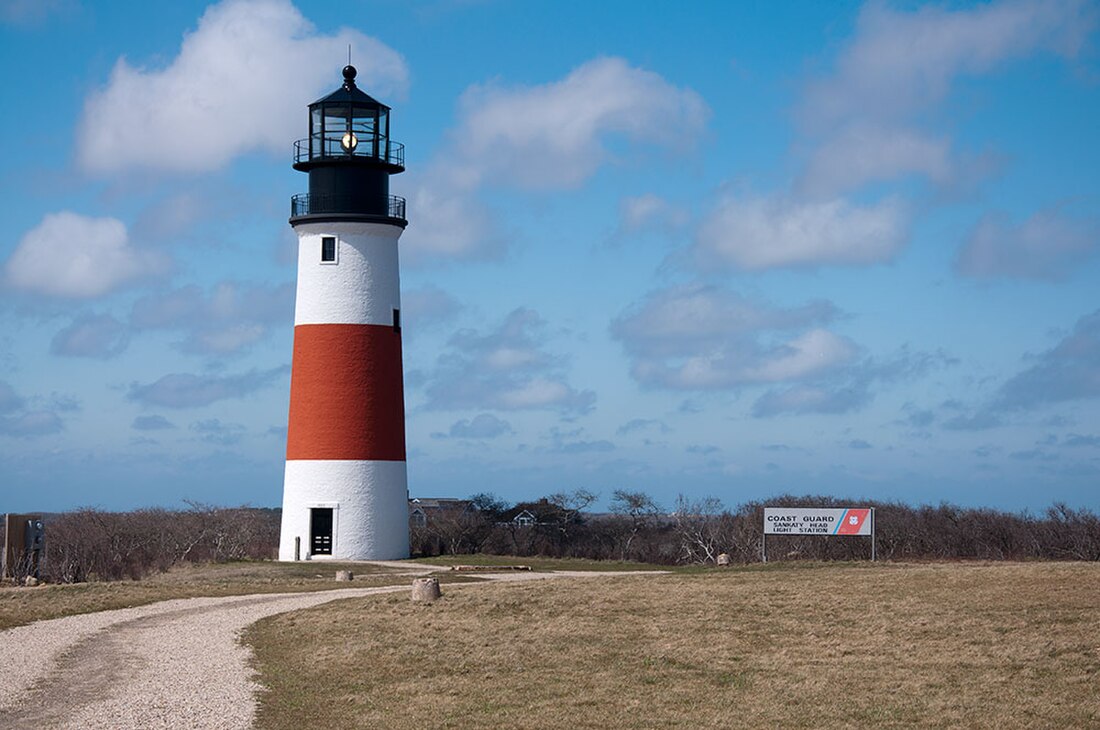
x: 332, y: 148
x: 306, y: 204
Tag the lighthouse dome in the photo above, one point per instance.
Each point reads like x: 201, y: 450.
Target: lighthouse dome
x: 349, y: 157
x: 349, y: 124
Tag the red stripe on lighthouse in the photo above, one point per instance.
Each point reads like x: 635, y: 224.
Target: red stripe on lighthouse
x: 346, y: 395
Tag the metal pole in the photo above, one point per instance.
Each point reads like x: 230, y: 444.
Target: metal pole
x: 872, y: 534
x: 297, y: 549
x: 764, y: 548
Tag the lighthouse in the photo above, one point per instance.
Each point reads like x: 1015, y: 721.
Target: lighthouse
x: 345, y: 493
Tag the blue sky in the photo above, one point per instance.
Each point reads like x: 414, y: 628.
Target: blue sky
x: 728, y: 249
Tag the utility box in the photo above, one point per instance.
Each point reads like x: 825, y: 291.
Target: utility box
x: 34, y: 536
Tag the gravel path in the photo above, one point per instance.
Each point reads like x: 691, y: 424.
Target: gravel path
x: 175, y: 664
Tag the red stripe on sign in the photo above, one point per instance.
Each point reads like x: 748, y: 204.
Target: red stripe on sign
x: 346, y: 395
x: 853, y: 521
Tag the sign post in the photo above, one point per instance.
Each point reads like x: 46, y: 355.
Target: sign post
x: 820, y: 521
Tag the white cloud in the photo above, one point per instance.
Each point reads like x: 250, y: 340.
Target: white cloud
x: 865, y: 153
x: 1045, y: 246
x: 690, y: 317
x: 427, y: 307
x: 1069, y: 371
x: 545, y: 137
x: 903, y: 62
x: 704, y: 338
x: 184, y: 390
x: 78, y: 257
x: 723, y: 367
x: 507, y: 357
x: 553, y: 135
x: 636, y: 425
x: 809, y: 353
x: 96, y: 335
x: 871, y: 120
x: 213, y: 431
x: 18, y: 421
x: 225, y: 320
x: 35, y: 12
x: 507, y: 368
x: 845, y: 388
x: 151, y: 423
x: 178, y: 212
x: 649, y: 211
x: 225, y: 340
x: 541, y: 393
x: 482, y: 426
x: 761, y: 233
x: 9, y: 399
x: 31, y: 424
x: 802, y: 399
x: 240, y: 83
x: 864, y: 119
x: 447, y: 223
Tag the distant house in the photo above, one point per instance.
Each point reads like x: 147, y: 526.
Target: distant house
x: 529, y: 514
x: 525, y: 518
x: 421, y: 509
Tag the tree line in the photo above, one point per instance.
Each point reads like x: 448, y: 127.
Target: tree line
x: 90, y: 544
x: 699, y: 530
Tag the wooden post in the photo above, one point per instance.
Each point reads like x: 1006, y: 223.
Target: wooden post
x: 15, y: 545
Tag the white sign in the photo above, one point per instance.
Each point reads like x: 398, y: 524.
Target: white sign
x: 817, y: 521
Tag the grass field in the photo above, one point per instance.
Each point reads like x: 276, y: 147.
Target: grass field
x: 794, y: 645
x: 544, y: 564
x: 22, y: 605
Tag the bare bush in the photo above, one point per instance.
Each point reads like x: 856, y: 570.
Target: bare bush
x: 639, y: 512
x: 1072, y: 534
x: 697, y: 531
x: 704, y: 528
x: 89, y: 544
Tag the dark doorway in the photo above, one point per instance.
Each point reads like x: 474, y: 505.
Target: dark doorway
x: 320, y: 531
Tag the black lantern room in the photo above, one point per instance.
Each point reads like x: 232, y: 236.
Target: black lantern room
x: 349, y: 157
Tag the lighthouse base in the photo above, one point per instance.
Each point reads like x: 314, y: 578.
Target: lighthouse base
x: 345, y: 510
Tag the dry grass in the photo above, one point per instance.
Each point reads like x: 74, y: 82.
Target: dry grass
x: 976, y: 645
x: 542, y: 564
x: 23, y: 605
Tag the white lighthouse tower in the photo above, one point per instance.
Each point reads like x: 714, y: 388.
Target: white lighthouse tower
x: 345, y: 495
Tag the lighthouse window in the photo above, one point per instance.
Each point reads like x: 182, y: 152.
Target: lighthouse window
x: 397, y: 320
x: 328, y: 249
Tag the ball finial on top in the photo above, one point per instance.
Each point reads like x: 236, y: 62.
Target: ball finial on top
x: 349, y: 75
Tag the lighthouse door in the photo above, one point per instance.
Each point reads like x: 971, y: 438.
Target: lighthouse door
x: 320, y: 531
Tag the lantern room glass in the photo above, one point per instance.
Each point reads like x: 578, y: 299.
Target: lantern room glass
x: 342, y: 129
